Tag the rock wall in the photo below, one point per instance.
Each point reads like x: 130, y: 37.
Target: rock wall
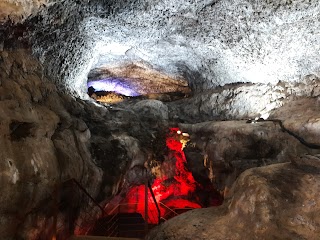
x: 41, y: 145
x: 242, y: 101
x: 221, y: 151
x: 47, y: 138
x: 280, y: 201
x: 208, y: 43
x: 20, y: 10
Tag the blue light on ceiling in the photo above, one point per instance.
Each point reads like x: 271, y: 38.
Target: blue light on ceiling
x: 118, y: 85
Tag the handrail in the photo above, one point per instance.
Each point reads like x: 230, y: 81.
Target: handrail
x: 87, y: 194
x: 112, y: 223
x: 116, y: 207
x: 155, y: 201
x: 111, y: 226
x: 165, y: 206
x: 153, y: 213
x: 187, y: 208
x: 127, y: 204
x: 56, y: 197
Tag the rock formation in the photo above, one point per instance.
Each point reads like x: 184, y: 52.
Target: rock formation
x: 239, y: 78
x: 280, y: 201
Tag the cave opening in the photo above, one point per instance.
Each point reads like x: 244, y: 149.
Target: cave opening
x: 134, y: 81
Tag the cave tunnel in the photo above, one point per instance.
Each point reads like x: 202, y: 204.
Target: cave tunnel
x: 159, y: 119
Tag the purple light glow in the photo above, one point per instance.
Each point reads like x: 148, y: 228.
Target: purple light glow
x: 118, y: 85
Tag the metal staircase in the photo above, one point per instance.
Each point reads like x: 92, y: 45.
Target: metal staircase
x: 120, y: 223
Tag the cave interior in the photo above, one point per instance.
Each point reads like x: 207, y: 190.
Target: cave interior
x: 159, y: 120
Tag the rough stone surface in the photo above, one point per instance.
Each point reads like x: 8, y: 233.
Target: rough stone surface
x: 209, y: 43
x: 41, y: 145
x: 216, y: 42
x: 47, y: 138
x: 19, y: 10
x: 242, y: 59
x: 233, y: 102
x: 243, y: 101
x: 228, y: 148
x: 280, y: 201
x: 302, y: 117
x: 140, y: 79
x: 152, y: 108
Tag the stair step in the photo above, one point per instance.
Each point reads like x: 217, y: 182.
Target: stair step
x: 100, y: 238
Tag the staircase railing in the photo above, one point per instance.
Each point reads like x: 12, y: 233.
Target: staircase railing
x: 87, y: 194
x: 170, y: 210
x: 113, y: 226
x: 59, y: 203
x: 155, y: 202
x: 109, y: 227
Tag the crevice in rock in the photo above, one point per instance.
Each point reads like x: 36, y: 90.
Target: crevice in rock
x: 20, y: 130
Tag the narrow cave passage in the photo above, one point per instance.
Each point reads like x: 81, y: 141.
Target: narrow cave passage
x: 176, y: 188
x: 172, y: 183
x: 135, y: 81
x: 174, y: 87
x: 173, y: 191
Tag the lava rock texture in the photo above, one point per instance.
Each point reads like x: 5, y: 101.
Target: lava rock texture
x: 47, y: 139
x: 241, y: 59
x: 280, y: 201
x: 209, y: 43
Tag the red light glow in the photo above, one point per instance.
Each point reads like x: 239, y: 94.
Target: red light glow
x: 176, y: 192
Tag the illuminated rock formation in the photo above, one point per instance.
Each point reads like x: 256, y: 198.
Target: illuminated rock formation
x: 217, y: 69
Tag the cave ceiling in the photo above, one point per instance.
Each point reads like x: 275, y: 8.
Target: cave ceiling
x: 208, y: 43
x: 236, y: 60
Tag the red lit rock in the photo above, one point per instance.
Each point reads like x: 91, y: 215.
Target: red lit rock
x: 279, y: 201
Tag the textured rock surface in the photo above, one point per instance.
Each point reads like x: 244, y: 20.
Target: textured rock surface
x: 228, y: 148
x: 140, y: 79
x: 232, y: 102
x: 243, y: 101
x: 209, y: 43
x: 301, y: 116
x: 19, y: 10
x: 152, y: 108
x: 216, y: 42
x: 47, y: 138
x: 41, y: 145
x: 280, y: 201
